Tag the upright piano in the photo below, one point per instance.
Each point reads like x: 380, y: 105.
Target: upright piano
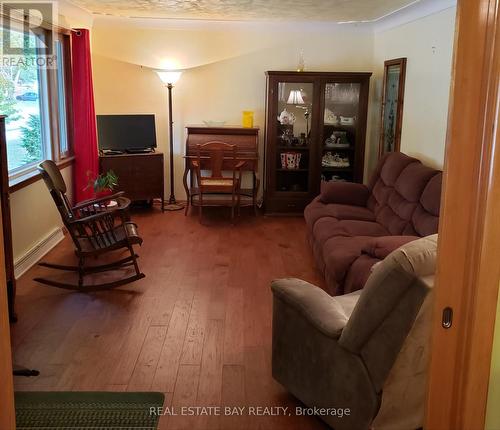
x: 247, y: 149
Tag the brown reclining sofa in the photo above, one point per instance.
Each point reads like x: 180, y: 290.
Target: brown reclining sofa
x: 353, y: 226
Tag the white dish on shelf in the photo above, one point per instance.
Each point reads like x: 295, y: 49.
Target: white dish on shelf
x: 214, y: 123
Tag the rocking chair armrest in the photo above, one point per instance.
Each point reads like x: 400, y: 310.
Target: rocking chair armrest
x: 89, y: 202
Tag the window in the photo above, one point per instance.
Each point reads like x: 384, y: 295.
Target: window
x: 35, y: 102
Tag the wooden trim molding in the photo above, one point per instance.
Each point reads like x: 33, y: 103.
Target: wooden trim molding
x: 7, y: 414
x: 37, y: 177
x: 468, y: 272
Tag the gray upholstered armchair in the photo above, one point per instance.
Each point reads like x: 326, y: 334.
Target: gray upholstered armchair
x: 365, y: 352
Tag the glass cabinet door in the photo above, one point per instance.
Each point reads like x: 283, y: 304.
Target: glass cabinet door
x: 339, y: 131
x: 293, y: 136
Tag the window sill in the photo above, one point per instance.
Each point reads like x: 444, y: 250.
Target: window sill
x: 34, y: 176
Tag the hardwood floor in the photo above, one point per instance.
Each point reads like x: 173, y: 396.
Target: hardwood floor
x: 197, y: 328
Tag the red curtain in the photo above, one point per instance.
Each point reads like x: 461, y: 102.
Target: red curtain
x: 84, y: 122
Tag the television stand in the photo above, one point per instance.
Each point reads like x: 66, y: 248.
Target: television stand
x: 140, y: 176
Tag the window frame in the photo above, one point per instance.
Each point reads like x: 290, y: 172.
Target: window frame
x: 58, y: 155
x: 50, y: 117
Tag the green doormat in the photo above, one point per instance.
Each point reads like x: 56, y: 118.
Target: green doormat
x: 87, y: 410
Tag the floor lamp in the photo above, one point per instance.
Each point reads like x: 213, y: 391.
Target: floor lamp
x: 169, y: 78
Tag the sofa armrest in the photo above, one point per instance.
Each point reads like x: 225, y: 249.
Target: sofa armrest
x: 344, y: 193
x: 381, y: 247
x: 318, y: 307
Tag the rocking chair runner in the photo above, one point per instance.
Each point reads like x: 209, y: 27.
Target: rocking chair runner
x: 95, y: 229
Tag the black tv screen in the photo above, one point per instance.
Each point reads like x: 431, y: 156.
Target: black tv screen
x: 126, y: 132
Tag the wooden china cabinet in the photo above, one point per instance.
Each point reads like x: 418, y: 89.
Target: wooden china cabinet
x: 315, y: 131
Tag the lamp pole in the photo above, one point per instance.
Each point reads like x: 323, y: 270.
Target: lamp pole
x: 169, y: 78
x: 171, y: 199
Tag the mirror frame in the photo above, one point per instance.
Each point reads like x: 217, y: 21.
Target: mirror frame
x: 401, y: 62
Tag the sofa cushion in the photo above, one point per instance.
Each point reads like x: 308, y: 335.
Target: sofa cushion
x: 323, y: 230
x: 344, y: 193
x: 346, y: 212
x: 425, y: 219
x: 381, y: 247
x: 328, y: 227
x: 359, y: 272
x: 358, y: 228
x: 339, y: 253
x: 393, y: 167
x: 413, y: 180
x: 403, y: 198
x: 317, y: 210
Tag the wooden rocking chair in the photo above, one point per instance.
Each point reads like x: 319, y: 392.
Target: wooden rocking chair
x: 95, y: 229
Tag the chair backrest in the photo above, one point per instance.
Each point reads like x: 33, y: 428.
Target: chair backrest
x: 405, y: 195
x: 57, y: 188
x: 388, y: 307
x: 212, y: 155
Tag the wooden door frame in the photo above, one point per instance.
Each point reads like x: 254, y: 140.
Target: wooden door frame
x: 468, y: 272
x: 7, y: 414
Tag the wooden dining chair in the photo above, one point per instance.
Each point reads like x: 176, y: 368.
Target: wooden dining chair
x: 95, y: 230
x: 212, y: 159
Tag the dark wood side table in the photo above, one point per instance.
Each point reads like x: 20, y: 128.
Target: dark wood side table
x: 140, y: 176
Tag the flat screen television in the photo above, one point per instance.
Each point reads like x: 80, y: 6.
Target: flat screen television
x: 126, y: 133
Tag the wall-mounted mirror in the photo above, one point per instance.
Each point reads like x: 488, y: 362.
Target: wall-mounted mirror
x: 392, y: 105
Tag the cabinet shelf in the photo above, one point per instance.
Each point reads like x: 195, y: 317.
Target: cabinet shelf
x: 336, y: 169
x: 340, y: 126
x: 292, y: 148
x: 330, y: 149
x: 292, y: 170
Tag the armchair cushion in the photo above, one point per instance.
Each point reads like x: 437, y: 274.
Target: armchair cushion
x: 323, y: 311
x: 344, y: 193
x: 381, y: 247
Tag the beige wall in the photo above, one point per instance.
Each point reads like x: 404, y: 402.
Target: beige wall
x: 34, y: 215
x: 428, y: 45
x: 224, y: 81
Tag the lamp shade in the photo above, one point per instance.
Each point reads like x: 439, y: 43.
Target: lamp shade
x: 295, y: 98
x: 169, y: 76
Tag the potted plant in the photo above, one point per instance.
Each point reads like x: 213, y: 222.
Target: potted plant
x: 102, y: 184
